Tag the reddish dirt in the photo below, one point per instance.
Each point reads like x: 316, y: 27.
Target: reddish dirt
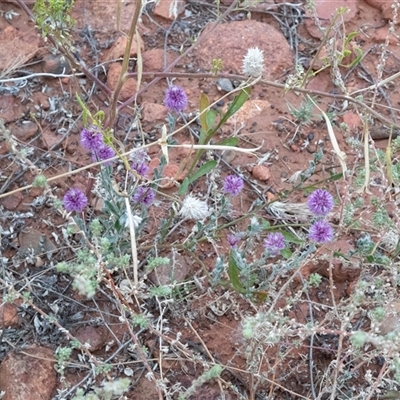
x: 45, y: 117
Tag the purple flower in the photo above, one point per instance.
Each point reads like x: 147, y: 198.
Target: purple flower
x: 102, y: 153
x: 91, y: 138
x: 274, y: 243
x: 175, y: 99
x: 320, y: 202
x: 233, y: 240
x: 233, y: 185
x: 144, y: 195
x: 141, y: 168
x: 75, y: 200
x: 320, y: 232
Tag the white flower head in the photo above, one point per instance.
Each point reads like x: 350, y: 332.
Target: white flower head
x: 193, y: 208
x: 253, y: 62
x: 136, y: 221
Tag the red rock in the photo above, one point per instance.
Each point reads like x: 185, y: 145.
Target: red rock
x: 261, y: 172
x: 25, y: 131
x: 9, y: 314
x: 163, y: 9
x: 129, y: 88
x: 326, y: 9
x: 9, y: 109
x: 12, y: 201
x: 380, y: 35
x: 250, y: 109
x: 28, y: 377
x: 153, y: 60
x: 153, y: 112
x: 49, y: 138
x: 376, y: 3
x: 170, y: 173
x: 247, y: 33
x: 352, y: 120
x: 95, y: 336
x: 13, y: 43
x: 118, y: 48
x: 41, y: 100
x: 387, y: 11
x: 295, y: 148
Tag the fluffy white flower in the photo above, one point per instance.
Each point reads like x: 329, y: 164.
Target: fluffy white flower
x: 253, y: 62
x: 193, y: 208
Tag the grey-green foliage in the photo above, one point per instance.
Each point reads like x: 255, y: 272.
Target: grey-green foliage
x: 84, y: 271
x: 109, y: 389
x: 213, y: 372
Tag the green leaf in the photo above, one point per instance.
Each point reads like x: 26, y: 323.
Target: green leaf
x: 237, y: 102
x: 289, y: 237
x: 203, y: 170
x: 233, y: 273
x: 204, y: 103
x: 336, y: 177
x: 184, y: 186
x: 228, y: 142
x: 210, y: 118
x: 286, y: 253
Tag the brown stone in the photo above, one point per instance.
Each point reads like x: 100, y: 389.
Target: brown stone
x: 261, y: 172
x: 246, y: 34
x: 55, y: 64
x: 326, y: 9
x: 29, y: 374
x: 25, y: 131
x: 35, y: 240
x: 129, y: 87
x: 95, y: 336
x: 153, y: 60
x: 175, y: 271
x: 153, y: 112
x: 163, y: 9
x: 118, y: 48
x: 12, y: 201
x: 9, y: 314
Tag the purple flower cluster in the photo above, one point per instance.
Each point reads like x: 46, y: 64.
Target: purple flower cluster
x: 92, y: 140
x: 233, y: 185
x: 75, y: 200
x: 144, y: 195
x: 233, y: 239
x: 141, y: 168
x: 321, y: 232
x: 274, y: 243
x: 175, y: 99
x: 320, y: 202
x: 103, y: 153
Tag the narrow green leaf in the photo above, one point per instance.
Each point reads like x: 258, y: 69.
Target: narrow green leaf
x: 237, y: 102
x: 203, y: 170
x: 228, y: 142
x: 210, y: 118
x: 233, y: 273
x: 204, y: 103
x: 184, y: 186
x: 289, y: 237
